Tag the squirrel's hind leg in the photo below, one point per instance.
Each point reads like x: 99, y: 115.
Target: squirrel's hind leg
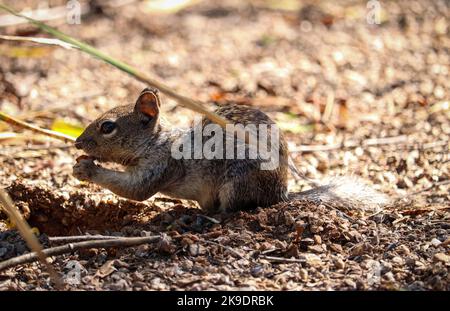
x: 234, y: 197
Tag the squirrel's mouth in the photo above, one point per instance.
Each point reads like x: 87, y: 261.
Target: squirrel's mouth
x: 85, y: 157
x: 125, y: 162
x: 89, y: 157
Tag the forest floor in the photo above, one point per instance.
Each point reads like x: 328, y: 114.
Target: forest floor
x: 380, y: 93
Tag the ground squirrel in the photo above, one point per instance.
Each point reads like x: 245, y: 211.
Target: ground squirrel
x: 134, y: 136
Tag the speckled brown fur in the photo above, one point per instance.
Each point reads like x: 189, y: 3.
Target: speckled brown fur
x: 143, y: 144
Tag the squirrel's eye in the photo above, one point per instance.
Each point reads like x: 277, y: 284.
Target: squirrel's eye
x: 107, y: 127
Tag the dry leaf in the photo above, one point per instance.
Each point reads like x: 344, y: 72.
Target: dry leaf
x: 106, y: 269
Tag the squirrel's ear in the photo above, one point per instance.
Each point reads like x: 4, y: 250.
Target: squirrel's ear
x: 148, y: 103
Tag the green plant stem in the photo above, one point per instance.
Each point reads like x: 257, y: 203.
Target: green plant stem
x: 194, y: 105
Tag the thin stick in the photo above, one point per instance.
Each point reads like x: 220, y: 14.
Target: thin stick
x: 407, y: 195
x: 434, y: 185
x: 79, y: 238
x: 11, y: 120
x: 385, y: 140
x: 69, y: 248
x: 352, y: 144
x: 329, y: 107
x: 422, y: 211
x: 211, y: 219
x: 395, y: 140
x: 434, y: 144
x: 299, y: 175
x: 315, y: 148
x: 25, y: 230
x: 231, y: 250
x: 39, y: 40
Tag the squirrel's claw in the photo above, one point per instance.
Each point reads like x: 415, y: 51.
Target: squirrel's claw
x: 84, y: 169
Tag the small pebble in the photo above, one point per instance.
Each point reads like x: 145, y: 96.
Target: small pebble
x: 441, y: 257
x: 403, y: 249
x: 339, y: 263
x: 435, y: 242
x: 304, y: 275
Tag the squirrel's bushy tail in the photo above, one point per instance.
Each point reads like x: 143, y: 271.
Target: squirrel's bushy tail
x: 344, y: 192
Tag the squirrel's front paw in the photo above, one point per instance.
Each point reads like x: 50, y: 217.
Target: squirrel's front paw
x: 85, y: 170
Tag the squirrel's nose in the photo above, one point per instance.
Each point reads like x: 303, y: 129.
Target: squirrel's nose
x: 79, y: 144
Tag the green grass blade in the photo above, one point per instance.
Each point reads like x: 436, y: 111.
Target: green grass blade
x: 185, y: 101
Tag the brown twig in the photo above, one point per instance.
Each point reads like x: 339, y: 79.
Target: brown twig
x: 352, y: 144
x: 79, y: 238
x: 407, y: 195
x: 299, y: 175
x: 315, y: 148
x: 31, y: 240
x: 434, y: 144
x: 71, y: 247
x: 395, y: 140
x: 415, y: 212
x: 329, y: 107
x: 225, y: 247
x: 211, y: 219
x: 434, y: 185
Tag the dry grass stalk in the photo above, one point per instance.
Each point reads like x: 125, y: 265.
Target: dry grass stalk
x: 16, y: 122
x: 25, y: 230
